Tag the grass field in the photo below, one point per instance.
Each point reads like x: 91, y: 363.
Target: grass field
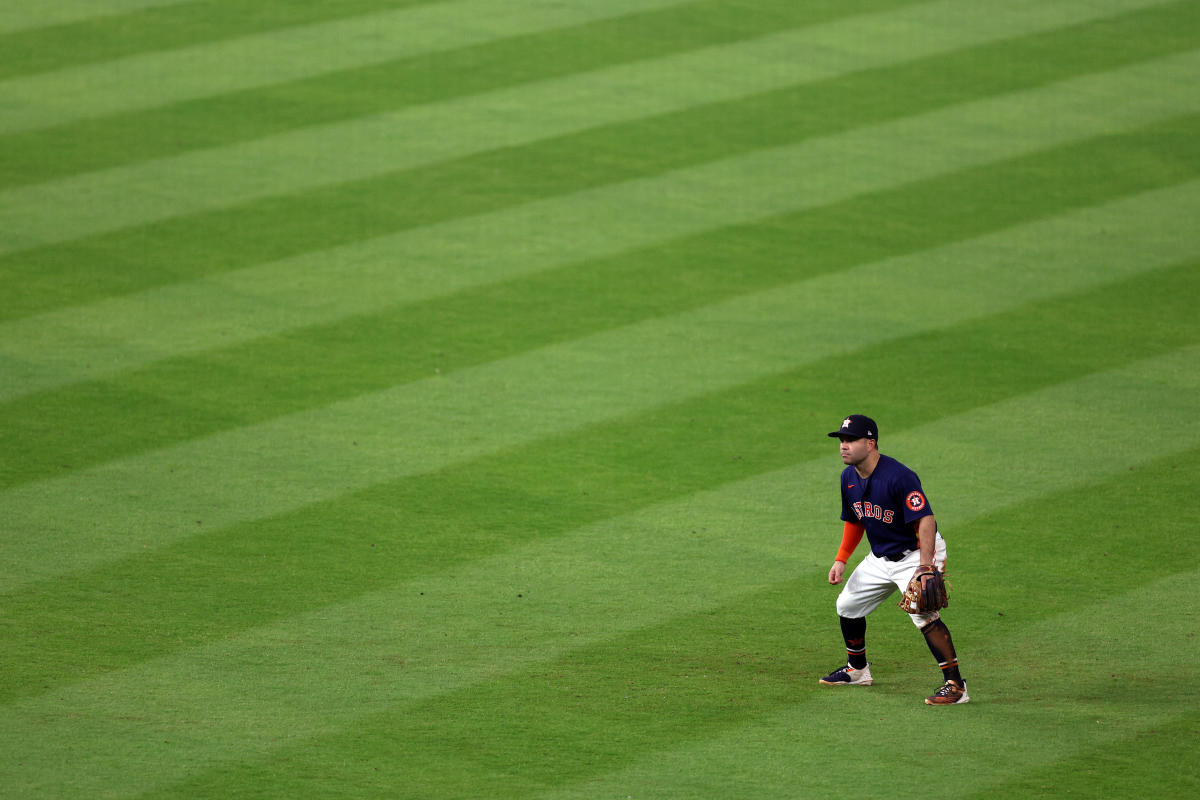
x: 427, y: 399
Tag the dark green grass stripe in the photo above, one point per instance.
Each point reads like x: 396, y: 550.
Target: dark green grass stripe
x: 152, y: 499
x: 166, y: 27
x: 586, y: 713
x: 183, y: 25
x: 1156, y: 762
x: 209, y: 587
x: 172, y: 76
x: 706, y: 675
x: 184, y: 398
x: 41, y: 155
x: 115, y: 263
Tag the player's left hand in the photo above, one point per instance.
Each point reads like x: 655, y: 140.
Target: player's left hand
x: 926, y: 592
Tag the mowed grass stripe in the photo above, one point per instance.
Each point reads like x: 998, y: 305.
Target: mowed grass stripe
x: 123, y: 333
x: 22, y: 15
x: 710, y: 675
x: 106, y: 512
x: 60, y: 35
x: 619, y: 701
x: 1128, y: 765
x: 122, y: 197
x: 429, y: 524
x: 173, y: 74
x: 124, y: 261
x: 797, y: 749
x: 695, y: 677
x: 483, y: 621
x: 187, y: 397
x: 1041, y: 656
x: 98, y: 143
x: 159, y: 78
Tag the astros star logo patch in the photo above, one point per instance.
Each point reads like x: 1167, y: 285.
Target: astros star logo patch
x: 915, y: 501
x: 846, y: 422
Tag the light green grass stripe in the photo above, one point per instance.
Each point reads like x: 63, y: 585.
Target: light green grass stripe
x: 121, y: 507
x: 19, y: 15
x: 317, y: 673
x: 978, y: 736
x: 309, y: 157
x: 103, y: 338
x: 155, y: 79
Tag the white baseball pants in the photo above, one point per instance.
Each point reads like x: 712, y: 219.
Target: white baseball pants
x: 875, y: 578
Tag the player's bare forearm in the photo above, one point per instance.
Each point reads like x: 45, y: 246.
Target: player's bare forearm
x: 927, y: 537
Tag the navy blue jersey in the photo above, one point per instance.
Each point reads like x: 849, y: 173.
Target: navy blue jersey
x: 887, y: 504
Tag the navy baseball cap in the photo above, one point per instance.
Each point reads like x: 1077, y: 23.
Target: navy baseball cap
x: 859, y: 427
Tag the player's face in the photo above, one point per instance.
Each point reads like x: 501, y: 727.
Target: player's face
x: 854, y: 451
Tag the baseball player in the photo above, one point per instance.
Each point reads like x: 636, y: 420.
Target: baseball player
x: 883, y: 499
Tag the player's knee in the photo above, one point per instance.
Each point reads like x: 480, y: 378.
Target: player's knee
x: 921, y: 620
x: 847, y: 608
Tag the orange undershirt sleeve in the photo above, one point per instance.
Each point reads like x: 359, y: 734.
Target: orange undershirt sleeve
x: 852, y: 534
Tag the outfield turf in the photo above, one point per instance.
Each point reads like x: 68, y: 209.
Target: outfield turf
x: 427, y: 399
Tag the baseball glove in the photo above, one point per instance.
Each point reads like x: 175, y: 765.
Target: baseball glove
x: 925, y: 596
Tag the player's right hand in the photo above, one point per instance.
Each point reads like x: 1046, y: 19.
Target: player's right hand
x: 836, y: 571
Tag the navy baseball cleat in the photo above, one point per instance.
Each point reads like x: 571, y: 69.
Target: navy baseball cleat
x: 950, y: 694
x: 849, y: 676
